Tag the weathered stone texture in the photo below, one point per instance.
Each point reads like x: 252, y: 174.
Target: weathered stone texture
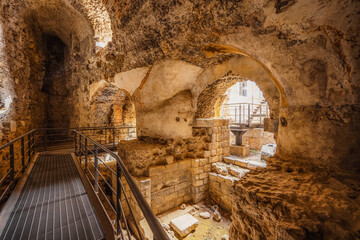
x: 290, y: 200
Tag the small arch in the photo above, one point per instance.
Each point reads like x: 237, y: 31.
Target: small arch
x: 112, y: 106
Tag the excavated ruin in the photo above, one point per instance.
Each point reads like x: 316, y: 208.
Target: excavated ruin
x: 164, y: 66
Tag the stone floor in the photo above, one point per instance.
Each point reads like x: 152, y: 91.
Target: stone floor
x: 208, y: 229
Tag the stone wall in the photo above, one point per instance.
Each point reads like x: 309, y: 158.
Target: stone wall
x: 179, y: 171
x: 170, y: 185
x: 256, y: 138
x: 221, y: 190
x: 315, y: 204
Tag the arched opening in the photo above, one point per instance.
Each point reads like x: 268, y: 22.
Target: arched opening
x: 113, y: 106
x: 241, y: 102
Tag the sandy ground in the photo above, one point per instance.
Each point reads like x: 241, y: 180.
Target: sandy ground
x: 208, y: 229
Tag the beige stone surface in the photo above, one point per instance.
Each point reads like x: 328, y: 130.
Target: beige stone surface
x: 243, y: 150
x: 184, y: 224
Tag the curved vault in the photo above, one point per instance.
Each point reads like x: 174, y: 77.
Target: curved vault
x: 72, y: 20
x: 214, y: 82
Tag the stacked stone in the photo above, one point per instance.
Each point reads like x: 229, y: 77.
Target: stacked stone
x: 221, y: 189
x: 217, y: 146
x: 200, y: 179
x: 170, y: 185
x: 145, y: 188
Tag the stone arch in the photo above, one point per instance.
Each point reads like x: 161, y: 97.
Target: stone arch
x: 214, y: 81
x: 96, y: 13
x: 112, y: 106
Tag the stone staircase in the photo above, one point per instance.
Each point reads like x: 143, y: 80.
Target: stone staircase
x: 225, y: 175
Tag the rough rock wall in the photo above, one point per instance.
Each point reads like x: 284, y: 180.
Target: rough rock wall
x: 288, y: 200
x: 308, y: 50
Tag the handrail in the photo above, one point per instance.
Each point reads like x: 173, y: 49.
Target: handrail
x: 150, y: 217
x: 246, y: 113
x: 19, y: 151
x: 15, y: 154
x: 16, y: 139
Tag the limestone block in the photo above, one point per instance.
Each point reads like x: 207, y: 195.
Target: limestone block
x: 184, y: 224
x: 172, y: 167
x: 207, y: 168
x: 169, y: 159
x: 213, y: 159
x: 207, y: 154
x: 198, y: 170
x: 213, y: 152
x: 242, y: 150
x: 203, y: 175
x: 198, y: 183
x: 205, y: 215
x: 156, y: 170
x: 204, y: 161
x: 184, y: 164
x: 195, y: 163
x: 180, y: 186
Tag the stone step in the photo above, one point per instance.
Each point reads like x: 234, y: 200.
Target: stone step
x: 244, y: 162
x: 226, y: 169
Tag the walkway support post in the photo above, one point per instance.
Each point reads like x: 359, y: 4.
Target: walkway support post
x: 96, y: 168
x: 22, y: 154
x: 12, y: 165
x: 248, y: 115
x: 75, y: 143
x: 86, y: 154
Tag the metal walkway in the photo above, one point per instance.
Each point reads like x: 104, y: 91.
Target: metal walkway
x: 53, y: 204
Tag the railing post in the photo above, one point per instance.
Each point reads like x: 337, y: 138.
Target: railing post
x: 12, y: 164
x: 22, y: 154
x: 235, y: 114
x: 249, y: 114
x: 105, y: 135
x: 33, y: 143
x: 86, y: 154
x: 75, y: 138
x: 267, y: 110
x: 80, y: 148
x: 45, y: 139
x: 128, y: 133
x: 29, y: 147
x: 118, y: 197
x: 114, y: 145
x: 260, y: 114
x: 96, y: 168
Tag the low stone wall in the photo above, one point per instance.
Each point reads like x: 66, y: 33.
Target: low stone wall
x: 221, y: 190
x: 170, y: 185
x: 178, y: 169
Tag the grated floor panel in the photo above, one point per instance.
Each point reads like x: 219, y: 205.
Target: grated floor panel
x: 53, y: 204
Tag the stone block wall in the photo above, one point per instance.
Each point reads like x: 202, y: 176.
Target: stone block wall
x: 145, y: 188
x: 178, y: 170
x: 170, y: 185
x: 221, y: 190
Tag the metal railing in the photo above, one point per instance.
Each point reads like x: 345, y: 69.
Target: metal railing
x: 64, y: 137
x: 246, y: 114
x: 87, y: 151
x: 17, y: 154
